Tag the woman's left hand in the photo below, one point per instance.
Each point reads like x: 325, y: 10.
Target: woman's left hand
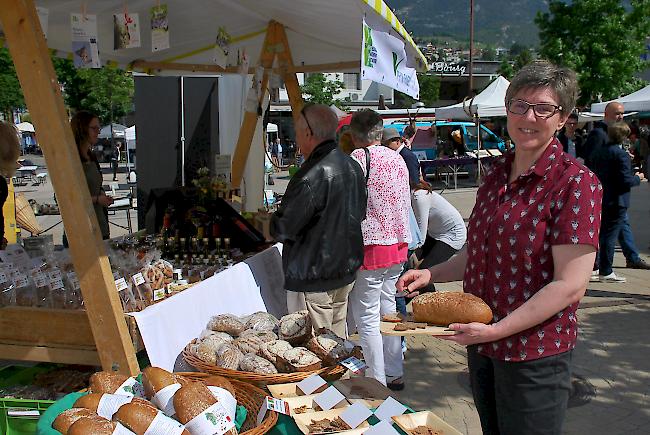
x: 472, y: 333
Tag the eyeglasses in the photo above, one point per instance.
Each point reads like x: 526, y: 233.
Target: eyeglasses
x: 94, y: 128
x: 304, y: 115
x: 541, y: 110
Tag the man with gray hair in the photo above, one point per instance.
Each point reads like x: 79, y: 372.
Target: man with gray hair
x: 319, y: 222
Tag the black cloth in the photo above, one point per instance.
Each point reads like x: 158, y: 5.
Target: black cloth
x: 520, y: 398
x: 412, y: 164
x: 4, y: 192
x: 319, y: 222
x: 596, y: 139
x: 435, y: 252
x: 613, y: 167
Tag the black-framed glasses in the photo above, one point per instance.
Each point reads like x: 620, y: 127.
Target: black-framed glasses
x: 304, y: 115
x: 541, y: 110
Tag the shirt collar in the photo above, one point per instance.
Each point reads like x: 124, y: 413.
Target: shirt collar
x: 398, y: 150
x: 550, y: 157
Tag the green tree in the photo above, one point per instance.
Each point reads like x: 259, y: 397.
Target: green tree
x: 506, y: 69
x: 109, y: 92
x: 429, y: 92
x: 522, y: 59
x: 600, y: 40
x: 73, y: 85
x: 489, y: 53
x: 319, y: 90
x: 11, y: 95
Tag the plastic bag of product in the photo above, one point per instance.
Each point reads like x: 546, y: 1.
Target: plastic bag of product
x: 142, y: 291
x: 24, y: 290
x: 262, y: 321
x: 40, y: 278
x: 58, y: 292
x: 125, y: 291
x: 7, y: 289
x: 74, y: 298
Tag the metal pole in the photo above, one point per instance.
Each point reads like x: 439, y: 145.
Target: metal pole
x: 478, y: 146
x: 182, y: 131
x: 471, y: 48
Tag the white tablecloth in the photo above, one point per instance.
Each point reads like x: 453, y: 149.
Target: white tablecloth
x: 256, y: 284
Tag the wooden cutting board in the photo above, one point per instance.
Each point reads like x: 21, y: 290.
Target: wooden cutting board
x: 387, y: 328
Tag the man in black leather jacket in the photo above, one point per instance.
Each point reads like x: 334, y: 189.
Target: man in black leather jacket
x: 319, y: 221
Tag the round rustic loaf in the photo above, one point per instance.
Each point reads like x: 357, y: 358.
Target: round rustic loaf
x: 256, y: 364
x: 295, y: 327
x: 444, y: 308
x: 67, y: 418
x: 328, y: 346
x: 265, y: 336
x: 94, y: 425
x: 227, y: 323
x: 106, y: 382
x: 273, y: 349
x: 248, y: 344
x: 299, y: 359
x: 262, y: 321
x: 228, y: 356
x: 206, y: 333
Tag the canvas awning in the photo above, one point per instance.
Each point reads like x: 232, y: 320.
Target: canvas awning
x: 489, y: 103
x: 638, y: 101
x: 318, y: 32
x: 25, y: 127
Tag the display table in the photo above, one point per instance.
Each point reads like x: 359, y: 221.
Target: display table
x: 452, y: 164
x: 256, y: 284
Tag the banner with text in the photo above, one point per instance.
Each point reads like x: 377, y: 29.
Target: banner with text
x: 384, y: 61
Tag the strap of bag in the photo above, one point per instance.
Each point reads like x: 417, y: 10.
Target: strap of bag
x: 367, y: 164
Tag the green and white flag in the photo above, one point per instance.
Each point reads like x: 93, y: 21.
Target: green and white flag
x: 384, y: 61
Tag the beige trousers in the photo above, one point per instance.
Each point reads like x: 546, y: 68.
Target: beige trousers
x: 326, y: 309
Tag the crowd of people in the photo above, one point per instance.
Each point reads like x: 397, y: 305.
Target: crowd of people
x: 349, y: 226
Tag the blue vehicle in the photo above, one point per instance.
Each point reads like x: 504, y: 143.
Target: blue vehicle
x: 451, y: 138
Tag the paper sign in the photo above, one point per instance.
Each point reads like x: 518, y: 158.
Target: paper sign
x: 329, y: 398
x: 354, y: 364
x: 222, y: 47
x: 272, y: 404
x: 214, y: 420
x: 312, y: 384
x: 121, y: 284
x: 138, y: 279
x: 159, y: 28
x: 84, y: 41
x: 389, y: 408
x: 381, y: 428
x: 355, y: 414
x: 126, y: 30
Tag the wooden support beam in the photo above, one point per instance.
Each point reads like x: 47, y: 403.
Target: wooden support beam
x: 285, y: 61
x: 41, y: 90
x: 247, y: 130
x: 143, y: 65
x: 63, y: 355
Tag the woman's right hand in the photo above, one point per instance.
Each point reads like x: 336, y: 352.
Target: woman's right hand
x: 413, y: 280
x: 104, y: 200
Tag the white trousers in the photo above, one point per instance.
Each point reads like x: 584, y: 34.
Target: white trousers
x: 373, y: 294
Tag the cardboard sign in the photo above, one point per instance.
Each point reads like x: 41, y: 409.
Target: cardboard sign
x: 272, y: 404
x: 353, y: 364
x: 389, y: 408
x: 355, y: 414
x: 328, y: 399
x: 312, y: 384
x: 381, y: 428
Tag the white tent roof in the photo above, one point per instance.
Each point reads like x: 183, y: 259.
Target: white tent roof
x: 638, y: 101
x: 490, y: 102
x: 129, y: 133
x: 318, y: 32
x: 118, y: 131
x: 25, y: 126
x: 271, y: 128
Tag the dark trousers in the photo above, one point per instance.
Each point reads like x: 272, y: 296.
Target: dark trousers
x: 520, y: 398
x: 612, y: 219
x: 626, y: 241
x: 435, y: 252
x: 115, y: 164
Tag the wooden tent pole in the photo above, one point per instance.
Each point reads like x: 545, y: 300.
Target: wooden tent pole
x: 290, y: 78
x: 247, y: 130
x: 41, y: 89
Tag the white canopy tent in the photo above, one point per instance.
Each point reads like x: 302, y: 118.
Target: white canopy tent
x: 490, y: 102
x: 25, y: 127
x: 638, y: 101
x: 118, y: 131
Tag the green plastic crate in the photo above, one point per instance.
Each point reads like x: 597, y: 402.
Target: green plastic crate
x: 21, y: 424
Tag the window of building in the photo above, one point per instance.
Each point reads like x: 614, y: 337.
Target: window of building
x: 352, y: 81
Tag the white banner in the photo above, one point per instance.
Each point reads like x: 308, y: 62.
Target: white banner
x: 384, y: 61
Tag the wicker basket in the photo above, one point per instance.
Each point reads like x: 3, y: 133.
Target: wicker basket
x: 248, y: 396
x: 329, y: 373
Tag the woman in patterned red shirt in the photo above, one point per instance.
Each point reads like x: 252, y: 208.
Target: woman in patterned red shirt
x: 532, y: 240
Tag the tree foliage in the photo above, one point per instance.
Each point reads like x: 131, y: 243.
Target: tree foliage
x: 11, y: 96
x: 429, y: 92
x: 109, y: 92
x: 600, y: 40
x: 318, y: 89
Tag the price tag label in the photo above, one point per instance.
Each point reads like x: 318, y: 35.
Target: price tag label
x: 158, y: 294
x: 20, y: 281
x: 353, y: 364
x: 121, y: 284
x: 272, y: 404
x: 3, y: 277
x: 138, y: 279
x: 40, y: 280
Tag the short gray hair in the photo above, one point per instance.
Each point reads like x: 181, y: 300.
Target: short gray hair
x: 367, y: 126
x: 543, y: 74
x: 322, y: 120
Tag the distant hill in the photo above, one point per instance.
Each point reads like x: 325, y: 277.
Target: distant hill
x: 499, y: 22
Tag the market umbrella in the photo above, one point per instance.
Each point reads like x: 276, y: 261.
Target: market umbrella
x: 25, y: 127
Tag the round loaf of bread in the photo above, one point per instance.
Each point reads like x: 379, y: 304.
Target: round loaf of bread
x: 248, y: 344
x: 155, y: 379
x: 89, y: 401
x: 67, y: 418
x: 106, y: 382
x: 295, y: 327
x: 256, y: 364
x: 299, y: 359
x: 228, y: 356
x: 227, y: 323
x: 209, y: 333
x: 93, y: 424
x: 261, y: 321
x: 273, y: 349
x: 444, y: 308
x: 328, y: 346
x: 191, y: 400
x: 265, y: 336
x: 206, y: 350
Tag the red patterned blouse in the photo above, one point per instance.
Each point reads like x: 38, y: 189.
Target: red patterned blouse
x: 510, y: 234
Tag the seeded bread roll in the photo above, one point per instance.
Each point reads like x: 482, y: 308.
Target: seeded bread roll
x: 228, y: 356
x: 248, y: 344
x: 155, y: 379
x: 299, y: 359
x: 295, y: 327
x: 227, y: 323
x: 328, y: 346
x: 92, y: 425
x: 191, y: 400
x: 256, y: 364
x: 443, y: 308
x: 137, y: 417
x: 265, y: 336
x: 67, y: 418
x: 106, y: 382
x: 261, y: 321
x: 273, y: 349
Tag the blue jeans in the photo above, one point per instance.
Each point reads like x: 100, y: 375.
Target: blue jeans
x: 610, y: 226
x: 626, y: 241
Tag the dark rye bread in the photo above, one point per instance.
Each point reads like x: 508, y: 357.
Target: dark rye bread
x: 328, y: 346
x: 137, y: 416
x: 106, y: 382
x: 191, y: 400
x: 444, y: 308
x: 295, y: 327
x: 93, y: 425
x: 67, y: 418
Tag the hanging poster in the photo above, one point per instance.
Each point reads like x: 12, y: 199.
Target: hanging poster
x: 84, y: 41
x: 126, y: 30
x: 159, y: 28
x: 222, y: 48
x: 383, y: 60
x: 43, y: 15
